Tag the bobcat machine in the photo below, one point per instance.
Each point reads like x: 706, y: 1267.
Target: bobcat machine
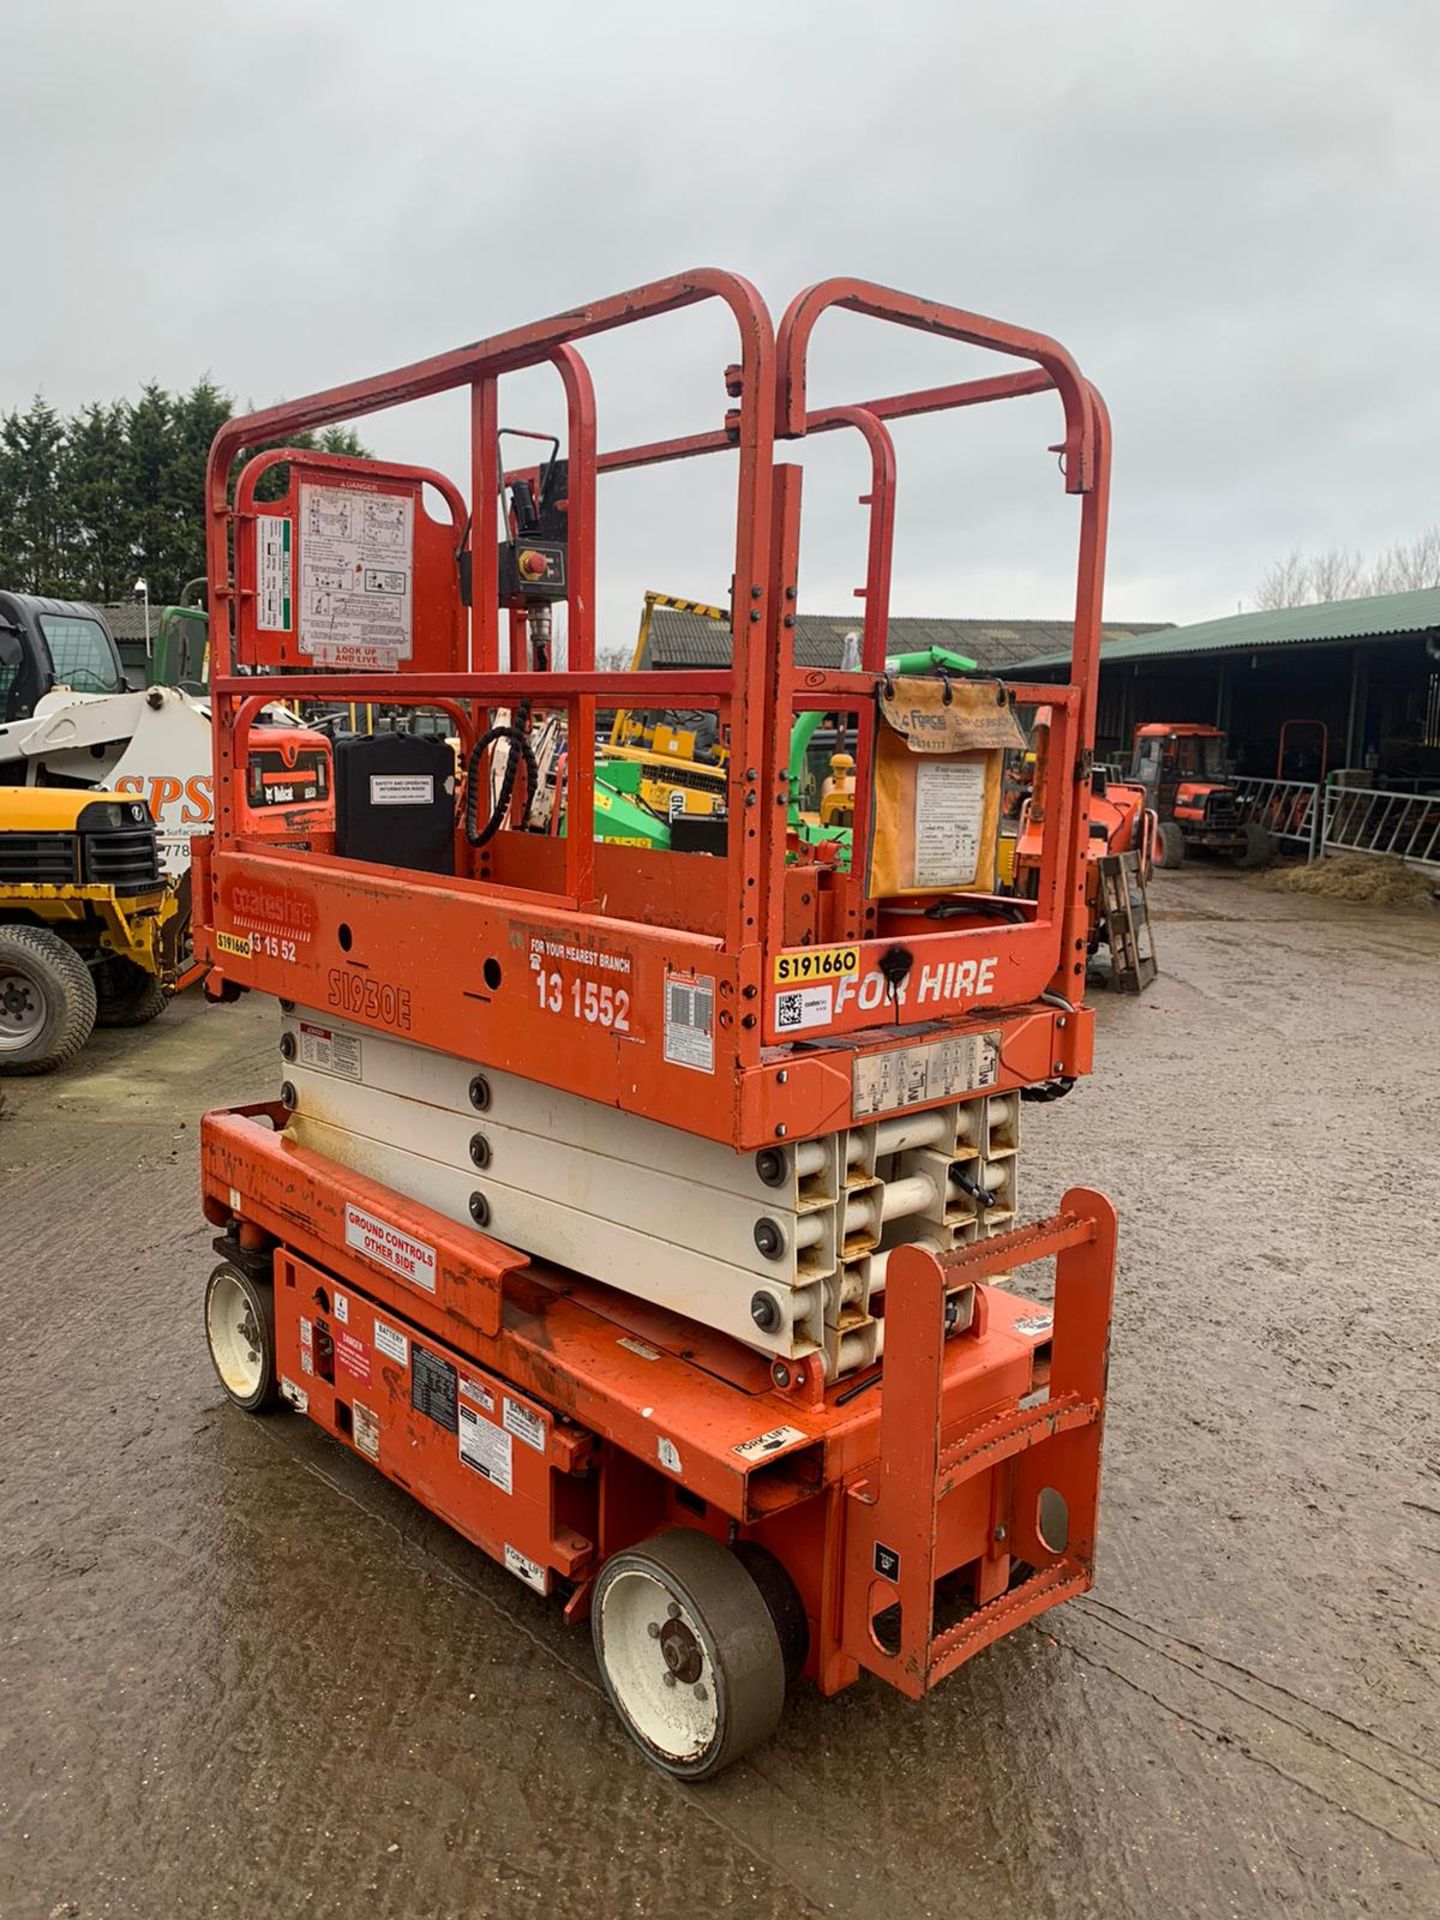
x: 652, y: 1216
x: 101, y: 792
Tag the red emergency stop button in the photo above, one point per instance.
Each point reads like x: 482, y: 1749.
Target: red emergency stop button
x: 533, y: 565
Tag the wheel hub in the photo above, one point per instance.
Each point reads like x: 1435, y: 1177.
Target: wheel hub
x: 22, y: 1008
x: 249, y: 1332
x: 681, y: 1652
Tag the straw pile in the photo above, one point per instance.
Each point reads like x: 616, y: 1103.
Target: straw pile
x: 1376, y: 880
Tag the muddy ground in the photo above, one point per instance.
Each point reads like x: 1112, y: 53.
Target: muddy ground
x: 241, y: 1675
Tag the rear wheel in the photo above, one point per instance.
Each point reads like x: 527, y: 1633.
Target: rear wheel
x: 1257, y: 848
x: 690, y: 1653
x: 128, y: 995
x: 1169, y: 845
x: 240, y: 1332
x: 47, y: 1001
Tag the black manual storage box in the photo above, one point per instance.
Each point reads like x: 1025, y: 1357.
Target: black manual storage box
x: 395, y: 800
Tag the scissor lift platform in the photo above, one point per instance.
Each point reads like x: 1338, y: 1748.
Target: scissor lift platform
x: 880, y: 1456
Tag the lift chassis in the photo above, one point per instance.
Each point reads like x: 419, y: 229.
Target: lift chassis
x: 652, y: 1217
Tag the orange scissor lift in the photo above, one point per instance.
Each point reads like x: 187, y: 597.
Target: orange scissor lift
x: 888, y: 1458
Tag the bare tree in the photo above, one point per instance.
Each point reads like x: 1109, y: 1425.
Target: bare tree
x: 1338, y: 575
x: 1408, y: 566
x: 1286, y: 583
x: 1302, y: 580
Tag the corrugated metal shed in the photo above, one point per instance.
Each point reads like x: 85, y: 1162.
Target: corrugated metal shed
x: 1377, y: 617
x: 679, y: 639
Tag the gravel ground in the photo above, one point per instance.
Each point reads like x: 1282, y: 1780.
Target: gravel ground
x: 242, y: 1675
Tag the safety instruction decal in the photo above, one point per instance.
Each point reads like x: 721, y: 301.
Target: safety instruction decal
x: 949, y: 818
x: 274, y: 611
x: 329, y: 1050
x: 432, y: 1387
x: 524, y: 1424
x: 690, y: 1021
x: 388, y: 1247
x: 366, y: 1427
x: 915, y: 1076
x: 402, y: 789
x: 357, y: 577
x: 487, y: 1448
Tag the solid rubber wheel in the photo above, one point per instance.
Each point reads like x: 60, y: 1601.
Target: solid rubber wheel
x: 240, y: 1332
x: 47, y: 1001
x: 1259, y: 848
x: 128, y: 996
x: 689, y: 1653
x: 1169, y: 845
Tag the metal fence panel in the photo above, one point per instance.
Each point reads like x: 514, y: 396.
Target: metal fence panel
x: 1407, y: 825
x: 1285, y: 808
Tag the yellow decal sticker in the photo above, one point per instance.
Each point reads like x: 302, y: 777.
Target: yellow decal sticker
x: 237, y: 943
x: 817, y: 963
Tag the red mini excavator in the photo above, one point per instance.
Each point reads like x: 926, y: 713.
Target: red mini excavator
x: 651, y: 1214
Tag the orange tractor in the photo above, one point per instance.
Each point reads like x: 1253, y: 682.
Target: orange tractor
x: 651, y: 1214
x: 1183, y: 770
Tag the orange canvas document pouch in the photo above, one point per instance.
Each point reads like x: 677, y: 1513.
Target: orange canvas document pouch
x: 940, y: 748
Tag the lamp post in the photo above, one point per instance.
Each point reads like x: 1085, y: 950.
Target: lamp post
x: 142, y: 587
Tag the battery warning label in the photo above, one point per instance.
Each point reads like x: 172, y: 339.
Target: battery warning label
x: 388, y: 1247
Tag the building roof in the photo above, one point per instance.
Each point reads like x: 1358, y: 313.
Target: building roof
x: 680, y: 639
x: 1377, y: 617
x: 126, y: 619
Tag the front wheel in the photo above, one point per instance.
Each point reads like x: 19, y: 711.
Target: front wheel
x: 240, y: 1332
x: 1169, y: 846
x: 47, y: 1001
x: 1257, y: 848
x: 689, y: 1651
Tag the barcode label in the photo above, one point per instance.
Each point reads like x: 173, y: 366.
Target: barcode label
x: 690, y: 1021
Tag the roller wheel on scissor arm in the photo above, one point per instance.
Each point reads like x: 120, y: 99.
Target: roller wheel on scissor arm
x: 692, y: 1653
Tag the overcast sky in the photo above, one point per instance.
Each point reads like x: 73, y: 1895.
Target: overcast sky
x: 1228, y: 212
